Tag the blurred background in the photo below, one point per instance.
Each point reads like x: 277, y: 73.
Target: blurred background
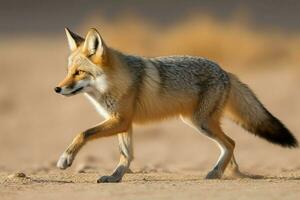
x: 259, y: 40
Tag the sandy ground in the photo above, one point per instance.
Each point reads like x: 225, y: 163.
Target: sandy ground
x: 153, y: 185
x: 171, y: 159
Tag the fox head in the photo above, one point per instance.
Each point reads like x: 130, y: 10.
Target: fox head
x: 85, y: 64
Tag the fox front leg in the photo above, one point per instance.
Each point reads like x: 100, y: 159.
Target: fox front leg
x: 126, y: 156
x: 66, y: 159
x: 107, y: 128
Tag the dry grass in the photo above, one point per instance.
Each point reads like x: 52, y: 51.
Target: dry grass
x: 233, y: 43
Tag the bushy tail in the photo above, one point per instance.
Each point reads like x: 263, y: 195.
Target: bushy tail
x: 246, y: 110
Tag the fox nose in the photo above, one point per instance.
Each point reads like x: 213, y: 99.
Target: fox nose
x: 57, y: 89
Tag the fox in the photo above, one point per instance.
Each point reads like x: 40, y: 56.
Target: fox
x: 128, y: 89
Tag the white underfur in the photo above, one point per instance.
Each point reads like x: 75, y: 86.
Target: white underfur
x: 223, y: 154
x: 100, y: 83
x: 98, y: 107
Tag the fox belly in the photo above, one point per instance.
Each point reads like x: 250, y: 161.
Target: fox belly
x: 154, y: 106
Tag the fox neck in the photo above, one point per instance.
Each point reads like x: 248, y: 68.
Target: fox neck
x: 104, y: 96
x: 104, y: 102
x: 110, y: 86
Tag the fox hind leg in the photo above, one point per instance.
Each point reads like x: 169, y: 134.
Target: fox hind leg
x: 126, y: 156
x: 206, y: 119
x: 234, y: 171
x: 233, y: 167
x: 214, y: 132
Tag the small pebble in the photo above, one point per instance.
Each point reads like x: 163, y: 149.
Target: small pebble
x: 17, y: 175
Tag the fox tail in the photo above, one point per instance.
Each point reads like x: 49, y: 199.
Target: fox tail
x: 244, y: 108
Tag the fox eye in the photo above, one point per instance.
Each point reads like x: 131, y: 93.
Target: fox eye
x: 78, y: 72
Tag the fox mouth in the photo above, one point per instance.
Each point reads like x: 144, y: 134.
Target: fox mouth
x: 77, y: 90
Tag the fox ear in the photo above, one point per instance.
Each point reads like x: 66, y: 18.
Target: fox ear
x: 74, y: 40
x: 93, y: 43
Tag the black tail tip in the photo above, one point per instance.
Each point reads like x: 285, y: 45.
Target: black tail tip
x: 290, y: 142
x: 275, y: 132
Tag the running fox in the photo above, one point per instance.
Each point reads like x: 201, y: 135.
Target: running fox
x: 127, y: 89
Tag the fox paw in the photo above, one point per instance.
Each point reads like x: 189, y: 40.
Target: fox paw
x: 65, y: 161
x: 109, y: 179
x: 214, y: 174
